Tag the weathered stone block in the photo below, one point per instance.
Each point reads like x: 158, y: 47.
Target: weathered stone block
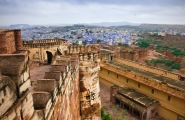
x: 27, y: 106
x: 8, y: 92
x: 54, y: 75
x: 24, y: 87
x: 38, y: 115
x: 46, y: 85
x: 47, y: 109
x: 40, y: 99
x: 29, y: 114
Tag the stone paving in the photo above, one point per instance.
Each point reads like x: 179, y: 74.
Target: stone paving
x: 39, y: 72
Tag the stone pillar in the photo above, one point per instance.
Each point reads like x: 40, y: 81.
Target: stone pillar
x: 81, y: 56
x: 69, y: 50
x: 95, y: 57
x: 113, y: 90
x: 140, y: 116
x: 0, y: 76
x: 90, y: 92
x: 85, y: 57
x: 90, y: 56
x: 3, y: 44
x: 75, y: 49
x: 18, y: 41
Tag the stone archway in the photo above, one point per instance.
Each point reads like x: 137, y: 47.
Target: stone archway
x: 49, y: 57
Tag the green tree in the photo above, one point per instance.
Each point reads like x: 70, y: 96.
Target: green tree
x: 120, y: 44
x: 143, y: 43
x: 102, y: 111
x: 104, y: 115
x: 77, y: 42
x: 84, y: 43
x: 79, y: 37
x: 99, y: 41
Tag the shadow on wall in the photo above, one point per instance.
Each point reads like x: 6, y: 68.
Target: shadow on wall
x: 49, y: 57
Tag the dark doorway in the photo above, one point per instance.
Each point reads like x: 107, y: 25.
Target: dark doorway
x: 117, y: 102
x: 126, y: 107
x: 111, y: 57
x: 144, y: 116
x: 49, y: 57
x: 65, y: 52
x: 136, y: 113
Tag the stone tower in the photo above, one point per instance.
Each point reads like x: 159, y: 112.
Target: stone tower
x: 89, y: 86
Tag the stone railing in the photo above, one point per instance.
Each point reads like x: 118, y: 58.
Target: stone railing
x: 44, y: 43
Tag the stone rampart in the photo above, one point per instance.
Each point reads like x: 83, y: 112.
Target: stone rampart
x: 89, y: 88
x: 56, y: 96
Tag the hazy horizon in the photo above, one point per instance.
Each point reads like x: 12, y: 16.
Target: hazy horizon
x: 47, y: 12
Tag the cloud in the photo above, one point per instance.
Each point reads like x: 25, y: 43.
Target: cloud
x: 88, y: 11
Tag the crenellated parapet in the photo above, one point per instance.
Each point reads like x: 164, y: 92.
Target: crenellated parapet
x: 58, y: 88
x: 59, y: 94
x: 133, y: 53
x: 89, y: 56
x: 38, y: 49
x: 44, y: 43
x: 75, y: 49
x: 16, y: 67
x: 16, y: 94
x: 8, y: 93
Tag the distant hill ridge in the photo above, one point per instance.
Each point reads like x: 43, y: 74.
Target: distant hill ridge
x: 163, y: 26
x: 19, y: 25
x: 117, y: 24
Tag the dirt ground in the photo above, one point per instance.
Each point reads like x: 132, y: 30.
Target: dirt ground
x: 38, y: 72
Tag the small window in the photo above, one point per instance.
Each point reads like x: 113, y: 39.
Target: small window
x: 127, y: 80
x: 169, y: 98
x: 152, y: 91
x: 108, y: 72
x: 117, y: 76
x: 138, y: 85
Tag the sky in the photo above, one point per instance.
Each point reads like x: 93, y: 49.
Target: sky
x: 53, y: 12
